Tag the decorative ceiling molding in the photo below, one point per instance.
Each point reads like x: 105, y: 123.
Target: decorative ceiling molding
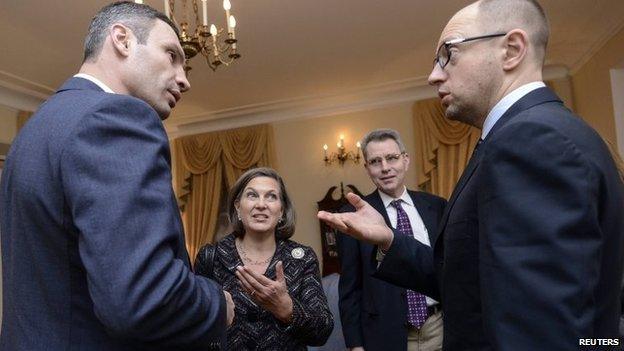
x: 368, y: 98
x: 21, y: 94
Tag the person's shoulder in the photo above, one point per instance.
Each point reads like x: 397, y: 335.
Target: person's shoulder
x: 224, y: 245
x: 546, y: 123
x: 125, y: 103
x: 550, y: 115
x: 427, y: 196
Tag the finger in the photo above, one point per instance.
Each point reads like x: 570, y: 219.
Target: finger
x: 279, y: 272
x: 244, y: 283
x: 356, y: 201
x: 333, y: 220
x: 255, y: 285
x: 260, y: 278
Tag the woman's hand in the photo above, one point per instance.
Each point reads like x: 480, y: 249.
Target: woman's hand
x: 230, y: 307
x: 272, y: 295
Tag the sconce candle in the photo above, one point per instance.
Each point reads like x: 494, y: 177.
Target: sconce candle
x: 227, y: 6
x: 342, y: 155
x: 205, y: 12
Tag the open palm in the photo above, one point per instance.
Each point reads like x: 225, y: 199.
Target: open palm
x: 364, y: 224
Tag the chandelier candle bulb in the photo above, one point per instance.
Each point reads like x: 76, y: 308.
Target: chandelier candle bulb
x: 233, y: 26
x: 167, y: 8
x: 205, y: 12
x: 227, y: 6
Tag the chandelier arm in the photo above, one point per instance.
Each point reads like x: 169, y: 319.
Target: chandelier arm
x: 172, y: 12
x: 196, y: 10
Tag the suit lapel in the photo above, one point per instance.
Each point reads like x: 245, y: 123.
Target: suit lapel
x: 377, y: 203
x: 426, y: 214
x: 463, y: 180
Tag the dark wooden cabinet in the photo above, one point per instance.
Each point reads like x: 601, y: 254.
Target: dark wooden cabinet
x: 331, y: 261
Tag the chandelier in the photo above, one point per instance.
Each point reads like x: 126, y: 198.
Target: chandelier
x: 217, y: 45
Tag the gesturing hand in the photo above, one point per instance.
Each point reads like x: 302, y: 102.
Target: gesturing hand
x: 230, y: 307
x: 272, y: 295
x: 364, y: 224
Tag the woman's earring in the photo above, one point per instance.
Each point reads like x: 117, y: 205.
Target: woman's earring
x: 238, y: 216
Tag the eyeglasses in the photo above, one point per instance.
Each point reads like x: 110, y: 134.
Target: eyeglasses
x: 391, y: 159
x: 443, y: 55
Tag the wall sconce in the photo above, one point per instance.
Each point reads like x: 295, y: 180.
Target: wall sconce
x: 342, y: 155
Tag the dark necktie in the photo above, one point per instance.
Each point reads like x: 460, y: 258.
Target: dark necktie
x: 416, y: 302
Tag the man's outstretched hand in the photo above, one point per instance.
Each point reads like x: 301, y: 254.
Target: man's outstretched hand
x: 364, y: 224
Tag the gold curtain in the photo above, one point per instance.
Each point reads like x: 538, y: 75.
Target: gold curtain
x: 204, y: 164
x: 445, y: 147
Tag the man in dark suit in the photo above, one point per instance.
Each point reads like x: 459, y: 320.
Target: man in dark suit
x: 370, y: 309
x: 531, y: 249
x: 93, y: 253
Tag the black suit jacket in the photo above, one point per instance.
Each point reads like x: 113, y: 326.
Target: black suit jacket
x: 531, y: 248
x: 374, y: 313
x: 93, y: 252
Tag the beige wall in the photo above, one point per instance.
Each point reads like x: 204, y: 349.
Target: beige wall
x: 300, y: 159
x: 591, y: 86
x: 8, y: 124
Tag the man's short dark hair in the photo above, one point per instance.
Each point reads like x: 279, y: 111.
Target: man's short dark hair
x: 139, y: 18
x: 381, y: 135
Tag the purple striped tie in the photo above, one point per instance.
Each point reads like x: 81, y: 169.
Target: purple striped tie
x: 416, y: 302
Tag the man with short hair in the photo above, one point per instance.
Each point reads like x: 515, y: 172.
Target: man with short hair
x: 93, y: 252
x: 371, y: 309
x: 531, y: 250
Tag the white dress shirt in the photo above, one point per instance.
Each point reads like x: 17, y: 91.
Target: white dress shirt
x: 418, y: 226
x: 96, y: 81
x: 505, y: 103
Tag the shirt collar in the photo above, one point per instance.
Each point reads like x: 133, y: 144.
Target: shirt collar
x: 387, y: 199
x: 505, y: 103
x: 95, y: 81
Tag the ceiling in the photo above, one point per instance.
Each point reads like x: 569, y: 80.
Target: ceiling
x: 291, y: 49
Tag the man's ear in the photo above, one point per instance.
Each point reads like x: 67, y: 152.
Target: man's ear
x: 121, y: 38
x: 516, y: 49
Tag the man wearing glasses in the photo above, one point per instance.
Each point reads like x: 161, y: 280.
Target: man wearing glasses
x: 531, y: 250
x: 372, y: 310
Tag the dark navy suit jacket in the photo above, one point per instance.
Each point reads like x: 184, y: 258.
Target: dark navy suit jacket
x: 531, y: 249
x: 93, y: 253
x: 374, y: 313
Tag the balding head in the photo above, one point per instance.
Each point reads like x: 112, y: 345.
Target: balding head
x: 501, y: 16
